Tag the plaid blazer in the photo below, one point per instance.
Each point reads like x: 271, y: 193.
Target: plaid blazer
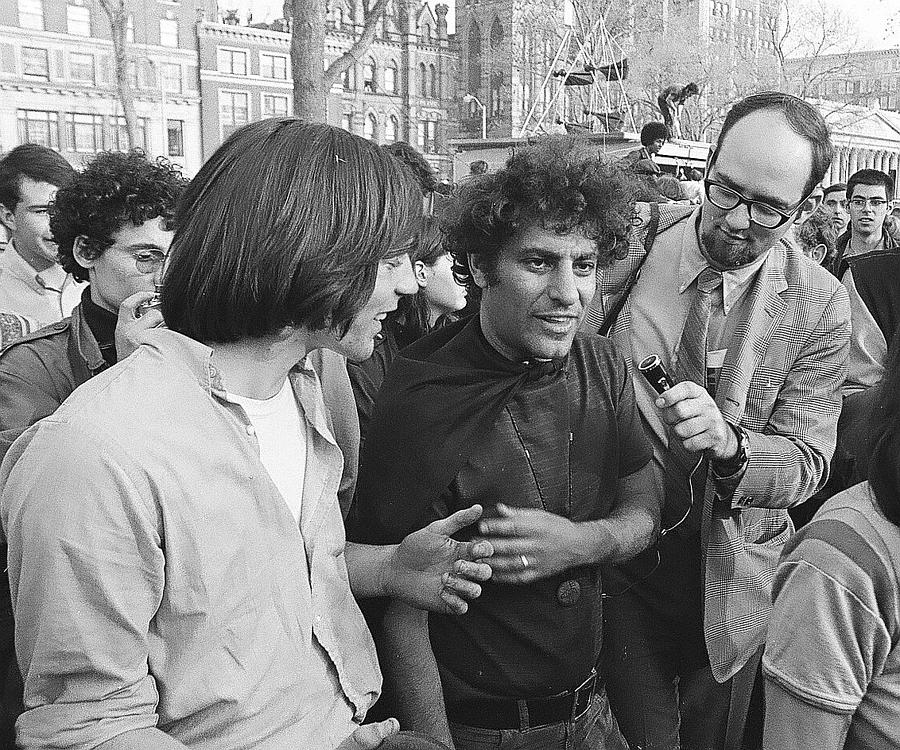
x: 781, y: 381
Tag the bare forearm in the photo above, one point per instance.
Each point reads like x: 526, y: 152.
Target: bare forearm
x: 632, y: 526
x: 142, y: 739
x: 411, y: 671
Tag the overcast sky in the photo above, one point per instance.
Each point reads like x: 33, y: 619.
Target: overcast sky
x: 873, y: 17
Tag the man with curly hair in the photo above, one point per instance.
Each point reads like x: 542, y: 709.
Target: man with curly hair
x: 516, y: 410
x: 112, y: 227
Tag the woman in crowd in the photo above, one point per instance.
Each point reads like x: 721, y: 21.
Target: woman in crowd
x: 438, y: 300
x: 832, y: 660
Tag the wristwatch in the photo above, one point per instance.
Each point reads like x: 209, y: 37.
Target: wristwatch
x: 731, y: 466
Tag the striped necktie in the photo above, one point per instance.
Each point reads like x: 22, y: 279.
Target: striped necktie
x: 683, y: 465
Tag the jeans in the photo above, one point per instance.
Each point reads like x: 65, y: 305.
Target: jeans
x: 595, y: 729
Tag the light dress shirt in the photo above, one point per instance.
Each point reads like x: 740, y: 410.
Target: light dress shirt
x: 659, y: 309
x: 159, y: 579
x: 44, y: 297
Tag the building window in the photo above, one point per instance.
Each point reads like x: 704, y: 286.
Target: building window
x: 234, y: 111
x: 347, y: 122
x: 81, y: 67
x: 129, y: 29
x: 171, y: 78
x: 31, y: 14
x: 233, y: 62
x: 390, y: 129
x: 78, y: 18
x: 36, y: 126
x: 496, y: 34
x: 274, y: 106
x: 168, y: 32
x: 175, y: 137
x: 84, y: 133
x: 495, y: 107
x: 273, y: 66
x: 349, y: 78
x: 432, y: 82
x: 35, y: 63
x: 423, y: 80
x: 368, y: 71
x: 427, y: 140
x: 390, y: 78
x: 370, y: 127
x: 426, y: 33
x: 120, y: 134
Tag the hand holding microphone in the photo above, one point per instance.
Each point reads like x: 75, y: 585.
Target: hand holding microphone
x: 691, y: 412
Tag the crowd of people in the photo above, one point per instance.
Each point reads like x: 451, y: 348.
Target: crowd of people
x: 296, y: 456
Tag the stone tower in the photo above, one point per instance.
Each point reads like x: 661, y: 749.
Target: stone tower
x: 506, y: 48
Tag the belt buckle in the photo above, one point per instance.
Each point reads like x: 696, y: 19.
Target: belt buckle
x: 583, y: 695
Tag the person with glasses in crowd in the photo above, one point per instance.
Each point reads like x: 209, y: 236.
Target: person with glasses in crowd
x: 112, y: 226
x: 869, y: 194
x: 755, y: 339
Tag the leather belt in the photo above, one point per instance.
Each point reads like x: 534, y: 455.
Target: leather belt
x: 525, y: 713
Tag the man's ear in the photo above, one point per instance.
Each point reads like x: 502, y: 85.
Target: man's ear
x: 477, y: 269
x: 421, y: 274
x: 78, y: 253
x: 818, y: 253
x: 7, y: 218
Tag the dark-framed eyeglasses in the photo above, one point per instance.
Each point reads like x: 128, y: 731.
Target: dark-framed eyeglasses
x: 150, y: 261
x: 873, y: 202
x: 766, y: 216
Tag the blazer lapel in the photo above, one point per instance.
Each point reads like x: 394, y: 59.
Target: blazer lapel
x: 764, y: 311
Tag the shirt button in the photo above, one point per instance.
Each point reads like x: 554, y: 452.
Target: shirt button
x: 251, y: 430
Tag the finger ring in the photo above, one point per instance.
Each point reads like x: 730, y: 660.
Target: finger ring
x: 524, y: 561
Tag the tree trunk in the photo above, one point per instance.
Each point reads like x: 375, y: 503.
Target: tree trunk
x: 307, y: 55
x: 311, y: 81
x: 118, y: 22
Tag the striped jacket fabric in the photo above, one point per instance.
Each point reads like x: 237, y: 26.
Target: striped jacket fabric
x: 781, y: 382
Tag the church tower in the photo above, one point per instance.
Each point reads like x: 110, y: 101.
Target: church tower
x: 506, y: 48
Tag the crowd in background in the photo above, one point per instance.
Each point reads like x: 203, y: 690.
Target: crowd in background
x: 312, y: 441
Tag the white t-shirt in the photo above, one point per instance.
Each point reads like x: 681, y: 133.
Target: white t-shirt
x: 281, y: 434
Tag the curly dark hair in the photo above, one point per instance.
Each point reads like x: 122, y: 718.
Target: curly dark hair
x: 557, y: 182
x: 114, y: 188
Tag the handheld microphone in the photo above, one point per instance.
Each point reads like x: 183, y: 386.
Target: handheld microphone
x: 652, y: 369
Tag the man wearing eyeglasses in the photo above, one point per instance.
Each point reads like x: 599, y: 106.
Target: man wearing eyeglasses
x: 869, y: 194
x: 755, y: 338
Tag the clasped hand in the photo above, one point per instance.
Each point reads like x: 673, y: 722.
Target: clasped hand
x: 695, y: 419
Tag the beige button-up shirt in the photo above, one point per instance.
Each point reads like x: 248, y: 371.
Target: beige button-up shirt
x: 159, y: 579
x: 44, y: 297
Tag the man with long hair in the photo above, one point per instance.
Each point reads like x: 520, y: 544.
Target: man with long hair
x: 177, y: 560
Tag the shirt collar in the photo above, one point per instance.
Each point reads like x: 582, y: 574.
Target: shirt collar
x: 52, y: 279
x: 692, y: 264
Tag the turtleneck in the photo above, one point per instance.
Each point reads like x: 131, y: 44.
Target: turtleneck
x: 102, y: 324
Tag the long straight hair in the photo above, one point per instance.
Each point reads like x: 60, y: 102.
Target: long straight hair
x: 284, y: 226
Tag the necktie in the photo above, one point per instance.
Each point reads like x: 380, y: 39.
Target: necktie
x: 681, y: 465
x: 691, y: 363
